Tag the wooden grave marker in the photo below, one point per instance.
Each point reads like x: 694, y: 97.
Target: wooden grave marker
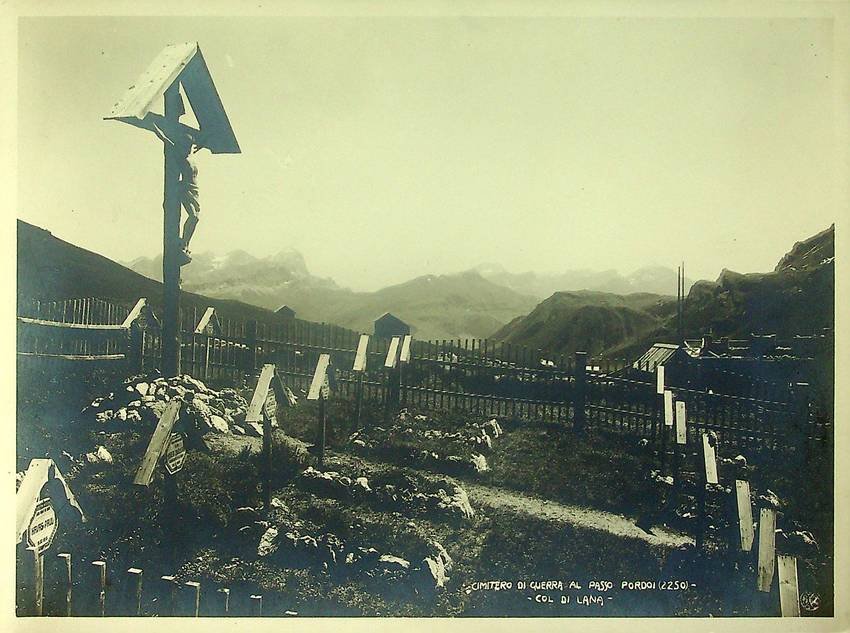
x: 659, y: 379
x: 404, y: 354
x: 36, y: 518
x: 261, y: 411
x: 208, y: 323
x: 767, y: 548
x: 668, y: 408
x: 403, y: 360
x: 681, y: 423
x: 158, y: 443
x: 392, y: 353
x: 710, y: 460
x: 175, y: 454
x: 789, y: 592
x: 320, y: 378
x: 745, y: 514
x: 360, y: 367
x: 319, y: 391
x: 360, y: 355
x: 43, y: 526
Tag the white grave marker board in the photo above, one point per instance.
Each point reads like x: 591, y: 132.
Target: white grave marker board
x: 360, y: 356
x: 745, y: 514
x: 404, y: 355
x: 43, y: 526
x: 659, y: 379
x: 681, y: 423
x: 767, y: 548
x: 789, y: 593
x: 320, y: 377
x: 392, y: 353
x: 710, y: 458
x: 668, y: 408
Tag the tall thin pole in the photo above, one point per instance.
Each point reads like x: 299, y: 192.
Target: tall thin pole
x: 171, y: 248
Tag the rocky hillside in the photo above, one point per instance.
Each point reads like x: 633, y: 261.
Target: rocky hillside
x: 798, y: 297
x: 586, y: 320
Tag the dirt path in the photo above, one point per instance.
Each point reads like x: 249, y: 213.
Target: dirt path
x: 587, y: 518
x: 503, y: 499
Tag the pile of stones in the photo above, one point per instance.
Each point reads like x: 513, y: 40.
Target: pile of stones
x: 446, y: 497
x: 143, y: 400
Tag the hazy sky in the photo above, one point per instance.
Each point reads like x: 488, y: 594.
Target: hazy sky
x: 386, y: 148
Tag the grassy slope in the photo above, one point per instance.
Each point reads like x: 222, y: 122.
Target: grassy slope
x: 587, y: 320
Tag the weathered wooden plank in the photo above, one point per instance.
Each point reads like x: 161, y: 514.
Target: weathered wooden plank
x: 745, y: 514
x: 392, y: 353
x: 75, y: 357
x: 789, y: 593
x: 668, y: 408
x: 681, y: 423
x: 767, y: 548
x: 404, y: 355
x: 261, y: 392
x: 710, y: 459
x: 70, y: 326
x: 360, y: 356
x: 158, y: 442
x: 319, y: 377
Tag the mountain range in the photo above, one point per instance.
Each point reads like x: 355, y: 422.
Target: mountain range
x: 469, y: 304
x: 657, y: 280
x: 796, y: 298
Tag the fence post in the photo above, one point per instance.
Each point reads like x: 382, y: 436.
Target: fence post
x: 135, y: 572
x: 225, y: 591
x: 69, y: 581
x: 196, y: 601
x: 135, y: 349
x: 580, y: 396
x: 251, y: 344
x: 101, y: 565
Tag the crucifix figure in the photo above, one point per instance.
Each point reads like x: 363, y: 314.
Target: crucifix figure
x: 182, y: 143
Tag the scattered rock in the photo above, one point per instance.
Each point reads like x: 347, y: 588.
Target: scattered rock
x: 268, y: 542
x: 393, y: 563
x: 480, y: 463
x: 219, y: 424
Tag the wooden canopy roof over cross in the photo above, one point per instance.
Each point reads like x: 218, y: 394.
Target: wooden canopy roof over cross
x: 183, y: 63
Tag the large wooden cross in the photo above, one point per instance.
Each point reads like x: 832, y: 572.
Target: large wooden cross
x: 179, y: 67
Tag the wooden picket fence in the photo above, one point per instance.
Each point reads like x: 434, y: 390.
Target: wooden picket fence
x: 473, y: 375
x: 74, y: 586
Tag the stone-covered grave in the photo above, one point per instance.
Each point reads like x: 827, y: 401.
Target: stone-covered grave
x: 288, y: 540
x: 142, y: 399
x: 418, y: 440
